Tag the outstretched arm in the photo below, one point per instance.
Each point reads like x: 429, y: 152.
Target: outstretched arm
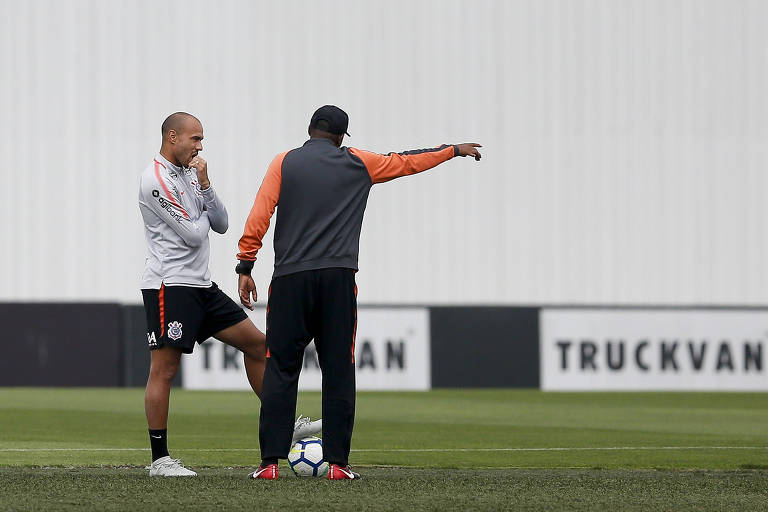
x: 388, y: 167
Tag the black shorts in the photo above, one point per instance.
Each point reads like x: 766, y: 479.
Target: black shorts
x: 177, y: 316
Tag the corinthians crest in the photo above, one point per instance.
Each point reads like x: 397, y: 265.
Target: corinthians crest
x: 174, y: 330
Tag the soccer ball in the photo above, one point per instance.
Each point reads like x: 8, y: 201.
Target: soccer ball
x: 306, y: 457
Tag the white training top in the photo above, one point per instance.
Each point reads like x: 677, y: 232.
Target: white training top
x: 177, y: 215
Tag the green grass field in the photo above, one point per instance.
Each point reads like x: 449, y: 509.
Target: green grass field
x: 63, y: 449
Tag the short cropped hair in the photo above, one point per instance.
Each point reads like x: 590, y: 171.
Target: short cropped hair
x: 175, y: 121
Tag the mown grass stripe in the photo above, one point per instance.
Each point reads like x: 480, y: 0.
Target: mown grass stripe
x: 412, y: 450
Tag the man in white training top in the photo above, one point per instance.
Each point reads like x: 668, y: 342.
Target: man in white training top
x: 182, y: 304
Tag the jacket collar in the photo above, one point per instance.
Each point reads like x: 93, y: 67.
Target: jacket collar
x: 168, y: 165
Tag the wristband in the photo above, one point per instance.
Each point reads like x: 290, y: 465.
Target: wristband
x: 244, y: 267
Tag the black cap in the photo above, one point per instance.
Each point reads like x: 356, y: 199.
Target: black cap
x: 337, y: 119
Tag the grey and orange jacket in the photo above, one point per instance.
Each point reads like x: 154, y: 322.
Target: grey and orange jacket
x: 320, y: 192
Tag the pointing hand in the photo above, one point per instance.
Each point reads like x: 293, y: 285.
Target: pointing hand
x: 468, y: 149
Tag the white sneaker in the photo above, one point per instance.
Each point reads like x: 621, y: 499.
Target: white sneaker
x: 166, y: 466
x: 305, y: 427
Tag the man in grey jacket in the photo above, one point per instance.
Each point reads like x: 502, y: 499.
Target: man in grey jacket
x: 182, y: 304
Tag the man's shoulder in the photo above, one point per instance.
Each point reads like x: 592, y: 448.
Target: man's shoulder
x: 361, y: 156
x: 153, y: 176
x: 359, y: 151
x: 282, y: 155
x: 277, y: 162
x: 157, y: 170
x: 152, y: 167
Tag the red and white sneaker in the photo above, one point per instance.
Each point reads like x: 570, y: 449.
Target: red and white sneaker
x: 337, y: 472
x: 268, y: 472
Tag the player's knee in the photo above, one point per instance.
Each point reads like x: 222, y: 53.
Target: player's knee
x: 164, y: 371
x: 256, y: 352
x: 256, y: 348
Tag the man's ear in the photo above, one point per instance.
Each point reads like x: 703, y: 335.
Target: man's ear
x: 173, y: 136
x: 341, y: 139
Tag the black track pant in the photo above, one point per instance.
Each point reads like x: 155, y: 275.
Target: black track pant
x: 319, y: 304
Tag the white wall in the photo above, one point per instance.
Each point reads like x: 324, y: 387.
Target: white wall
x: 624, y: 160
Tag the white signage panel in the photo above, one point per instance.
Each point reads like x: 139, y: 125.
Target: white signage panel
x: 392, y: 352
x: 662, y: 349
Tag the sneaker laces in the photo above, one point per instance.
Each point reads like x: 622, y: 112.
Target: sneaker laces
x: 167, y: 463
x: 172, y: 462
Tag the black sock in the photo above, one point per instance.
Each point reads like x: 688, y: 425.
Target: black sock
x: 158, y: 439
x: 267, y: 462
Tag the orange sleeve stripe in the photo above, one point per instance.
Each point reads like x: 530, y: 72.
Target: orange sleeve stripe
x: 165, y: 189
x: 384, y: 168
x: 257, y: 223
